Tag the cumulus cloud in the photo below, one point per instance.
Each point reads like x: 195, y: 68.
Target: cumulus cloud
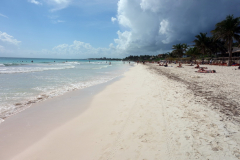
x: 2, y: 15
x: 35, y: 2
x: 58, y: 4
x: 153, y: 26
x: 76, y: 47
x: 84, y: 50
x: 113, y: 19
x: 4, y: 37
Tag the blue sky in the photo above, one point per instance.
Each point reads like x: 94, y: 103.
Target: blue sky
x: 110, y: 28
x: 44, y: 26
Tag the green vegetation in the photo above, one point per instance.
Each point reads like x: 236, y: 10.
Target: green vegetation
x: 146, y: 57
x: 179, y: 49
x: 228, y: 30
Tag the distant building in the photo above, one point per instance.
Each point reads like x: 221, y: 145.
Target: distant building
x: 235, y: 51
x: 152, y: 57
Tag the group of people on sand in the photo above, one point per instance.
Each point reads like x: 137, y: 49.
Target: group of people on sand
x: 166, y: 64
x: 203, y: 69
x: 200, y: 69
x: 162, y: 64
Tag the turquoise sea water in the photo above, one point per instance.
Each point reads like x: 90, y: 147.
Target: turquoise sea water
x: 24, y: 81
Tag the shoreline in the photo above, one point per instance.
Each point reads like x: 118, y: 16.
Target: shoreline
x: 41, y: 117
x: 27, y: 102
x: 153, y: 112
x: 27, y: 84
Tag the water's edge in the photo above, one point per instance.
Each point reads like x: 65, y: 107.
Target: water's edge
x: 20, y: 106
x: 41, y: 118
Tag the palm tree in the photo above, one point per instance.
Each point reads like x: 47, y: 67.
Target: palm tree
x: 228, y: 30
x: 172, y: 55
x: 216, y: 45
x: 185, y: 47
x: 202, y: 42
x: 179, y: 49
x: 193, y: 53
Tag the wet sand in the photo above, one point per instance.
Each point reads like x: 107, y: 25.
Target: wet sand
x: 22, y: 130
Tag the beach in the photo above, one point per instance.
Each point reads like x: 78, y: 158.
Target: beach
x: 151, y: 112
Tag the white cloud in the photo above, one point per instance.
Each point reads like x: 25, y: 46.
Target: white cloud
x: 3, y: 15
x: 124, y: 39
x: 54, y: 19
x: 78, y: 47
x: 111, y: 46
x: 155, y: 25
x: 152, y: 5
x: 84, y: 50
x: 164, y: 24
x: 4, y: 37
x: 58, y: 4
x: 35, y: 2
x: 113, y: 19
x: 165, y: 30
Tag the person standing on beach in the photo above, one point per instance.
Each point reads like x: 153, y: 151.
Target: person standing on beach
x: 211, y: 61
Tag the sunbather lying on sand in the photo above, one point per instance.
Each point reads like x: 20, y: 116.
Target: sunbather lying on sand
x: 198, y: 67
x: 205, y: 71
x: 190, y: 65
x: 166, y: 65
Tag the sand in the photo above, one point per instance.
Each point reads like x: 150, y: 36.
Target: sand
x: 153, y: 112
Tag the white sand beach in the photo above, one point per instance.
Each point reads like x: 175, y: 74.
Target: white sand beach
x: 153, y: 112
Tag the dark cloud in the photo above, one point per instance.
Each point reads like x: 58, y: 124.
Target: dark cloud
x: 153, y: 26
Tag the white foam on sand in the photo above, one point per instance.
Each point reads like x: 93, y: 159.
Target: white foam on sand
x: 46, y: 93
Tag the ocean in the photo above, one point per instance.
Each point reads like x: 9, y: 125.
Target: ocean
x: 24, y: 81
